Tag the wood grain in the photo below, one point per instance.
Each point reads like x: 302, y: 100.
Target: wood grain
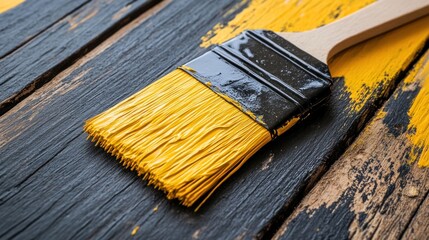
x: 56, y: 184
x: 418, y: 227
x: 372, y: 191
x: 20, y: 24
x: 57, y: 44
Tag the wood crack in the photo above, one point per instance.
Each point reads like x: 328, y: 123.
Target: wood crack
x: 43, y: 30
x: 19, y: 185
x: 401, y: 236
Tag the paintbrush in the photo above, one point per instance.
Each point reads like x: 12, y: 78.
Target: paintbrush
x: 189, y: 131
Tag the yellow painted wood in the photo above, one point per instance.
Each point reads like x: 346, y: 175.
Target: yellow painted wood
x: 373, y: 20
x: 418, y: 128
x: 368, y: 68
x: 373, y: 185
x: 5, y: 5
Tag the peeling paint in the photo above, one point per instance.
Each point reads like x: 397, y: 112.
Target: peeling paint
x: 418, y: 128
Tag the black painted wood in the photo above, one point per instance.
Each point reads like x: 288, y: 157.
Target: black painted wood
x: 35, y: 63
x: 30, y: 18
x: 56, y: 184
x: 373, y: 200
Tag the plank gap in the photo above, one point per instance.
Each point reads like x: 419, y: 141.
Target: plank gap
x: 47, y: 76
x: 43, y: 30
x: 402, y: 234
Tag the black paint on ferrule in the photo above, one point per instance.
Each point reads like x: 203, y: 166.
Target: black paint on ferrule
x: 269, y: 78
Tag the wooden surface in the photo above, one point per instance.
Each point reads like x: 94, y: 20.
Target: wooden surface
x: 58, y: 44
x: 22, y: 24
x: 55, y: 184
x: 372, y: 191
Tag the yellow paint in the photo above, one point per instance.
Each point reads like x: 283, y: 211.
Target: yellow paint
x: 418, y: 127
x: 179, y: 135
x: 379, y: 115
x: 287, y: 125
x: 135, y: 230
x: 368, y: 68
x: 6, y: 5
x: 281, y: 16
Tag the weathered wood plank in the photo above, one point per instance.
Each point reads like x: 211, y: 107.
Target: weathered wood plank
x: 419, y: 227
x: 372, y: 191
x: 27, y: 19
x: 50, y: 174
x: 57, y: 46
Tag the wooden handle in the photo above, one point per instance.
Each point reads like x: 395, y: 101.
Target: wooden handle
x: 371, y: 21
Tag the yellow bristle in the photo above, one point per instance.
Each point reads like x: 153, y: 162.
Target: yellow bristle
x: 180, y: 135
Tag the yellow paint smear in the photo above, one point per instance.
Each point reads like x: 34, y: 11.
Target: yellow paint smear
x: 287, y: 125
x: 9, y: 4
x: 367, y: 68
x: 418, y: 127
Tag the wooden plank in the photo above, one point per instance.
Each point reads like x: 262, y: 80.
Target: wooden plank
x: 54, y: 183
x: 374, y: 191
x: 418, y: 228
x: 57, y: 44
x: 21, y: 21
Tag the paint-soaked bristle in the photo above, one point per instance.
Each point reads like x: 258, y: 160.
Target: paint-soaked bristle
x: 179, y: 135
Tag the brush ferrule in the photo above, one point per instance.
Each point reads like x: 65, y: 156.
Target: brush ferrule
x: 267, y: 77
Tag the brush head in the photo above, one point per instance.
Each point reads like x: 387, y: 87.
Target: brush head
x: 187, y: 138
x: 266, y: 76
x: 179, y: 135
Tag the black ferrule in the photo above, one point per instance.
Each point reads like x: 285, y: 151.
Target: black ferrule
x: 265, y: 75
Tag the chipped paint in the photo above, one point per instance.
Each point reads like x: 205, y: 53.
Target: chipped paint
x: 6, y: 5
x: 196, y: 234
x: 135, y: 230
x: 418, y: 128
x: 81, y: 17
x: 155, y: 209
x: 373, y: 175
x: 368, y: 68
x: 267, y: 162
x: 360, y: 190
